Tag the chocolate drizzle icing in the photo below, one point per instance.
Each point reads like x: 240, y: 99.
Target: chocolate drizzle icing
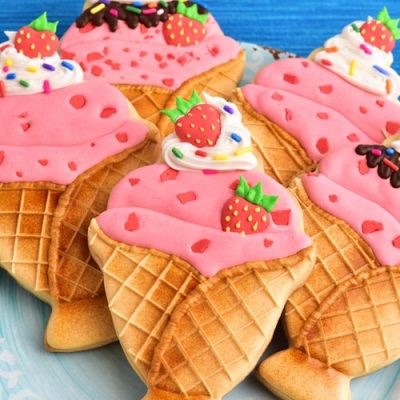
x: 131, y: 19
x: 376, y: 156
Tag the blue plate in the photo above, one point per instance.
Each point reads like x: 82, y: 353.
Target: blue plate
x: 28, y: 372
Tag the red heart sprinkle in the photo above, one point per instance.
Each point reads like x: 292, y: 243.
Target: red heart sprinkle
x: 134, y: 181
x: 363, y: 167
x: 168, y: 82
x: 43, y: 162
x: 292, y: 79
x: 107, y: 112
x: 122, y: 137
x: 396, y: 242
x: 276, y: 96
x: 371, y: 226
x: 353, y: 137
x: 201, y: 246
x: 333, y: 198
x: 268, y: 243
x: 281, y: 217
x: 326, y: 89
x: 72, y: 166
x: 392, y: 127
x: 323, y: 145
x: 323, y: 115
x: 169, y: 175
x: 132, y: 223
x: 187, y: 197
x: 78, y: 101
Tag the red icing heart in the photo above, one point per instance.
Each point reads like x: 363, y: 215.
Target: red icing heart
x: 134, y: 64
x: 363, y: 167
x: 333, y: 198
x: 323, y: 145
x: 20, y: 174
x: 281, y: 217
x: 323, y: 115
x: 268, y: 243
x: 1, y: 157
x: 326, y: 89
x: 134, y: 181
x: 305, y: 64
x: 201, y: 246
x: 89, y: 27
x: 96, y: 70
x: 353, y: 137
x: 25, y: 126
x: 396, y: 242
x: 187, y: 197
x: 392, y: 127
x: 169, y: 175
x: 288, y: 114
x: 95, y: 56
x: 43, y: 162
x: 66, y: 55
x: 292, y: 79
x: 78, y: 101
x: 276, y: 96
x: 371, y: 226
x: 122, y: 137
x: 380, y: 103
x: 72, y: 166
x: 363, y: 110
x: 107, y: 112
x: 132, y: 223
x: 168, y: 82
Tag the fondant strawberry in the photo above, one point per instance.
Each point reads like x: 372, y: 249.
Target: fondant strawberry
x: 186, y: 27
x: 248, y: 211
x: 382, y: 32
x: 38, y: 39
x: 196, y: 122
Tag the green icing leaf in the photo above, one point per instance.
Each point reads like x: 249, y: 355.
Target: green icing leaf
x: 391, y: 24
x: 243, y: 188
x: 42, y: 24
x: 191, y: 12
x: 384, y: 16
x: 183, y: 106
x: 255, y: 195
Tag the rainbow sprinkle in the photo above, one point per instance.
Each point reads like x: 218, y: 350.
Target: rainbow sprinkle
x: 32, y: 69
x: 381, y: 70
x: 229, y: 109
x: 67, y: 65
x: 11, y: 76
x: 8, y: 62
x: 97, y: 9
x: 352, y: 68
x: 177, y: 153
x: 390, y: 164
x: 236, y: 137
x: 365, y: 49
x: 133, y: 9
x: 49, y: 67
x: 46, y: 87
x: 376, y: 152
x: 220, y: 157
x: 3, y: 89
x: 24, y: 84
x: 245, y: 150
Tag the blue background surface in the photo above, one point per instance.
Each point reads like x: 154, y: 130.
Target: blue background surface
x: 26, y: 370
x: 298, y: 26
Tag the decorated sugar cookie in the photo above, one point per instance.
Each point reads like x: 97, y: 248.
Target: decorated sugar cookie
x: 198, y: 262
x: 344, y: 322
x: 345, y: 94
x: 64, y: 144
x: 154, y: 51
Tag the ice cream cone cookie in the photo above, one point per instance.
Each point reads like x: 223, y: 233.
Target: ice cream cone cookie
x: 64, y: 143
x: 345, y: 321
x: 198, y: 260
x: 299, y: 110
x: 155, y: 51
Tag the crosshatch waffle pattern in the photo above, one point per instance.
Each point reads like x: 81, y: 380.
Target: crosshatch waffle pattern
x: 25, y: 223
x: 143, y: 288
x: 220, y: 81
x: 347, y: 315
x: 229, y: 317
x: 77, y: 276
x: 218, y: 334
x: 282, y: 155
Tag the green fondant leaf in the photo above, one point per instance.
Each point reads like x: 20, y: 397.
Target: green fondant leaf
x: 183, y: 105
x: 191, y: 12
x: 255, y: 194
x: 42, y: 24
x: 384, y: 16
x: 243, y: 188
x: 173, y: 115
x: 269, y: 202
x: 195, y: 99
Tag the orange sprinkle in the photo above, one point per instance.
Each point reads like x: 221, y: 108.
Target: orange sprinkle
x: 389, y: 86
x: 332, y: 49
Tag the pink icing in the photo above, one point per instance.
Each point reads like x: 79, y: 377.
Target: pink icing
x: 56, y: 137
x: 141, y: 56
x: 319, y: 108
x: 349, y: 190
x: 146, y: 209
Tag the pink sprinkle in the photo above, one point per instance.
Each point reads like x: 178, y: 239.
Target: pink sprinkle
x: 6, y: 69
x: 114, y: 12
x: 365, y: 48
x: 149, y: 11
x: 46, y: 87
x: 376, y: 152
x: 210, y: 171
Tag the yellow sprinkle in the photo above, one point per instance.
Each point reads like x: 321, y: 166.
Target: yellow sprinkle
x: 204, y: 116
x: 243, y: 233
x: 238, y: 225
x: 373, y: 39
x: 196, y: 31
x: 22, y: 32
x: 190, y: 23
x: 374, y: 28
x: 210, y: 142
x: 33, y: 46
x: 47, y: 47
x: 192, y: 125
x: 227, y: 219
x: 32, y: 69
x: 53, y: 38
x: 19, y: 40
x: 28, y: 35
x: 245, y: 150
x: 363, y: 31
x: 172, y: 36
x: 237, y: 201
x: 188, y: 136
x: 179, y: 124
x: 264, y: 218
x: 255, y: 226
x: 246, y: 208
x: 220, y: 157
x: 352, y: 68
x: 227, y: 229
x: 202, y: 129
x: 8, y: 62
x: 230, y: 207
x: 213, y: 127
x: 198, y: 141
x: 250, y: 218
x: 196, y: 42
x: 188, y: 39
x: 169, y: 26
x: 42, y: 36
x: 257, y: 210
x: 235, y: 213
x: 97, y: 9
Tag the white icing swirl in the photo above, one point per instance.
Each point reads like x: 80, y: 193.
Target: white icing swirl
x: 231, y: 123
x: 360, y: 63
x: 23, y: 67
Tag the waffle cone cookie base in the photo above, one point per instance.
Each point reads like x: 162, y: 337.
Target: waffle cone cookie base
x: 186, y: 336
x: 26, y: 215
x: 80, y: 319
x: 344, y: 322
x: 282, y: 155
